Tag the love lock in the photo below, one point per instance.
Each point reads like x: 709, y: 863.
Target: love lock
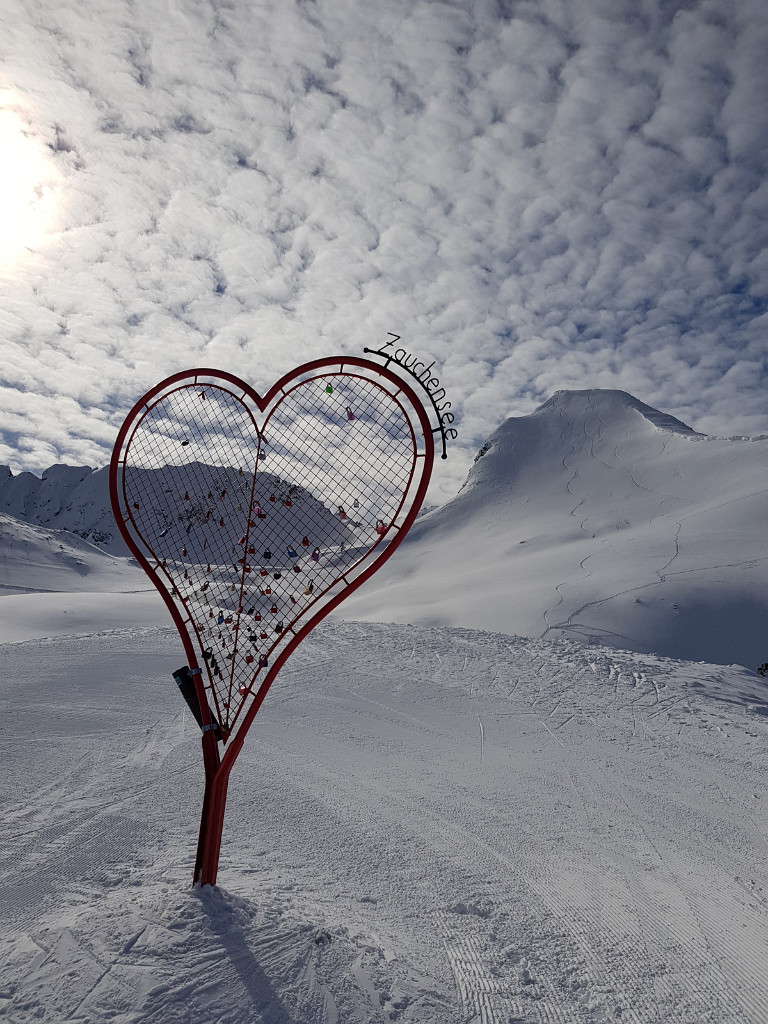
x: 212, y: 495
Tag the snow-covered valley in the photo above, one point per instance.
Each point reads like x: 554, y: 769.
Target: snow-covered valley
x: 429, y: 821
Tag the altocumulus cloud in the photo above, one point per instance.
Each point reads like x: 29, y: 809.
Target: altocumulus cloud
x: 536, y: 195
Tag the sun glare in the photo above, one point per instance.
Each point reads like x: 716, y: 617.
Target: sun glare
x: 28, y: 180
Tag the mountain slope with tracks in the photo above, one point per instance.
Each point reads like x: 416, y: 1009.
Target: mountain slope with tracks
x: 601, y: 519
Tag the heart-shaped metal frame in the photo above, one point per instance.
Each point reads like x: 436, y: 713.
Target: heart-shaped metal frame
x: 255, y: 517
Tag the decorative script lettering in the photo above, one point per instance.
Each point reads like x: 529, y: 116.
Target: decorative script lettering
x: 423, y: 374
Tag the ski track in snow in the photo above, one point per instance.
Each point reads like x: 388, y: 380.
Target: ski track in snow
x: 571, y: 621
x: 428, y: 825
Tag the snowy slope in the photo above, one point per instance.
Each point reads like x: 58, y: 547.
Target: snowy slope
x: 433, y: 826
x: 34, y: 559
x: 52, y: 582
x: 601, y: 519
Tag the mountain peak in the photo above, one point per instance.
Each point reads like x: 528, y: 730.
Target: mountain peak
x: 610, y: 404
x: 570, y: 425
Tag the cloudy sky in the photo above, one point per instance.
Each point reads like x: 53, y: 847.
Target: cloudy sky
x: 537, y: 195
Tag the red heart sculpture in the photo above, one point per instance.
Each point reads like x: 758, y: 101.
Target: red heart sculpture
x: 254, y: 517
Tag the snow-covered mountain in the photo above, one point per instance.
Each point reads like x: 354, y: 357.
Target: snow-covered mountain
x: 73, y: 498
x: 596, y: 518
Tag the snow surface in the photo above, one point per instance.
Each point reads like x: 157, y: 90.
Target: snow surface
x: 427, y: 823
x: 424, y: 825
x: 600, y: 519
x: 74, y: 576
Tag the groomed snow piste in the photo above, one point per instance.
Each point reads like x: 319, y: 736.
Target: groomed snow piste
x: 424, y: 825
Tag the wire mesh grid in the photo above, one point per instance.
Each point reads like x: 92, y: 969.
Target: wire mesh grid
x: 252, y: 530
